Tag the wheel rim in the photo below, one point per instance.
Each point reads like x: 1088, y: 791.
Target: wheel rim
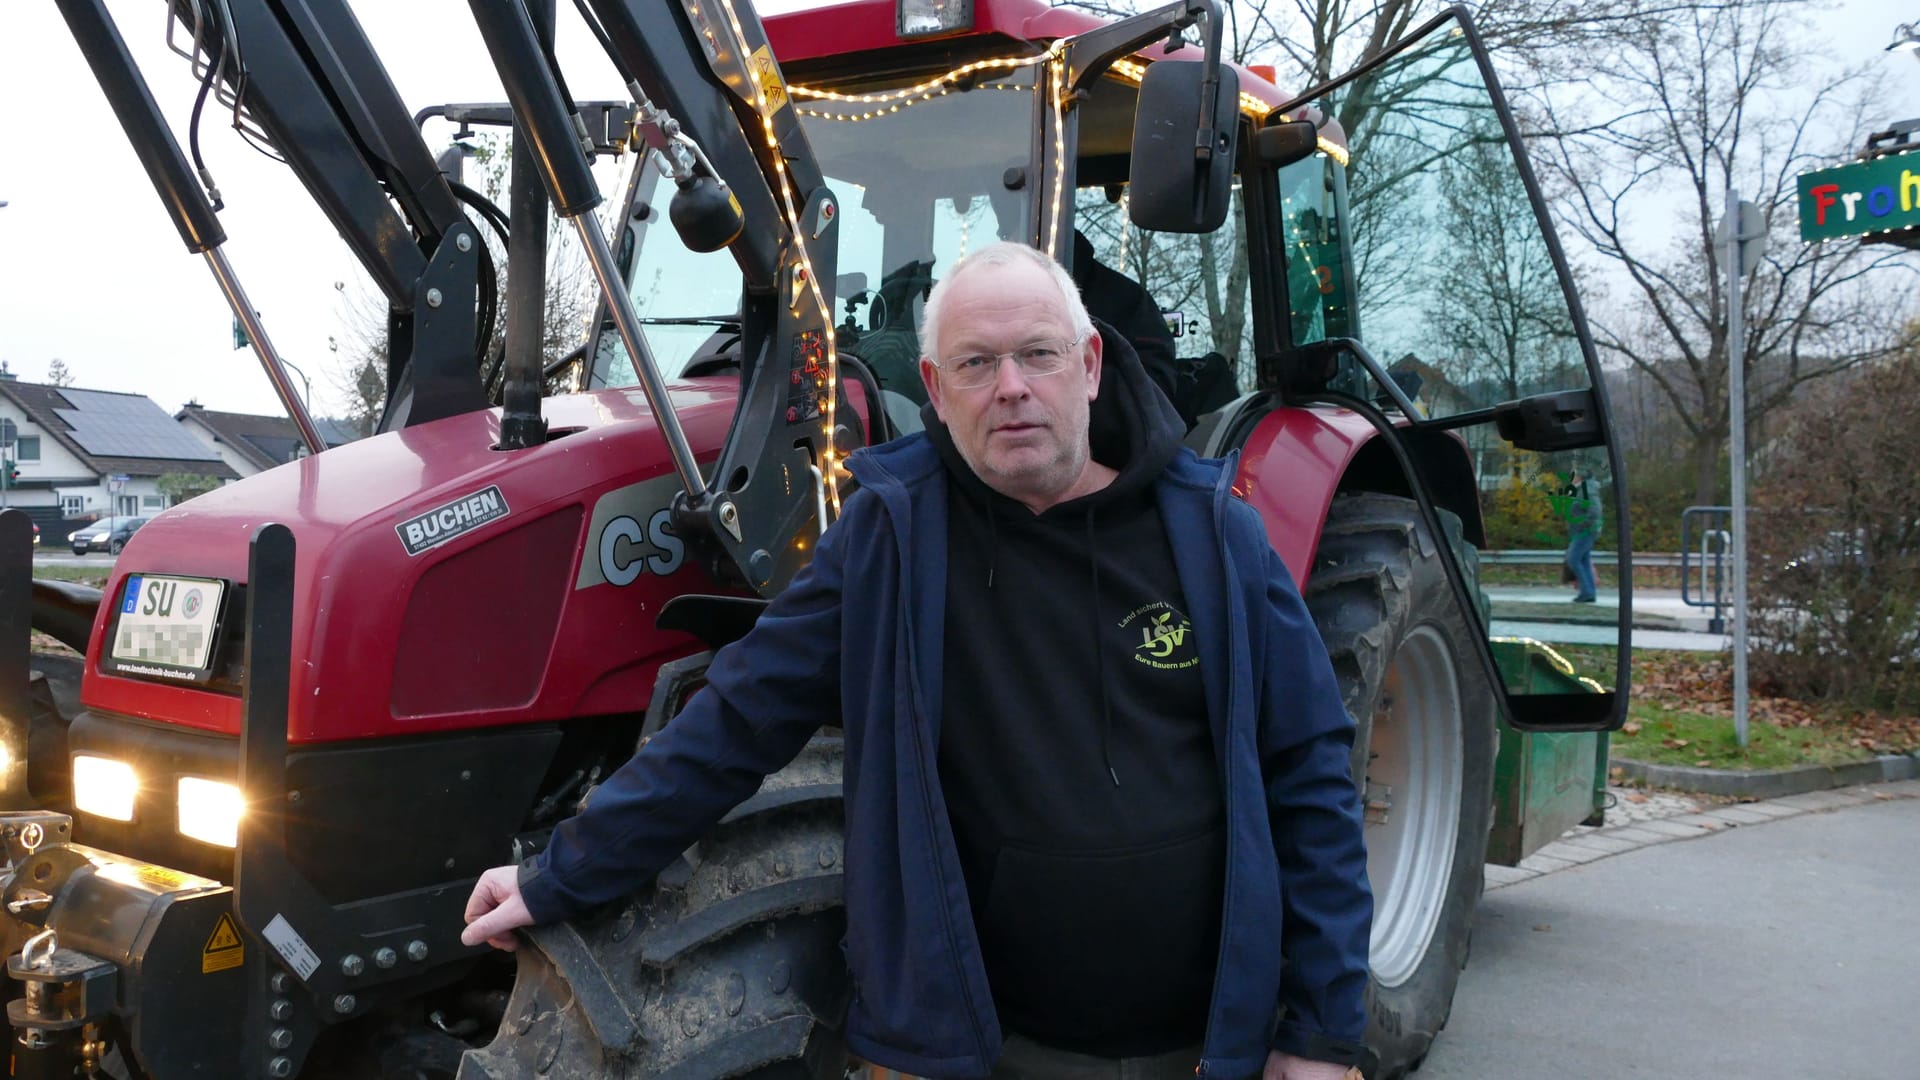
x: 1413, y: 802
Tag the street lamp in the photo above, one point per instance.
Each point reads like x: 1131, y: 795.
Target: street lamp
x: 1906, y: 39
x: 307, y: 396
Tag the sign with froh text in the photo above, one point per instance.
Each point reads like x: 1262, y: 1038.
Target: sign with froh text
x: 1877, y: 199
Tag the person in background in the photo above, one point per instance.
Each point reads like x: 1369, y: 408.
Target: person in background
x: 1583, y: 530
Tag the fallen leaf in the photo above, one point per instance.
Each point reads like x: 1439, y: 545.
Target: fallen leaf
x: 1631, y: 727
x: 1636, y: 797
x: 1704, y: 763
x: 1543, y: 927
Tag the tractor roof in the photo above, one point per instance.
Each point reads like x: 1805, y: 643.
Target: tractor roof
x: 861, y: 26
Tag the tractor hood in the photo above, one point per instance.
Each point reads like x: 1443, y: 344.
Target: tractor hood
x: 440, y: 583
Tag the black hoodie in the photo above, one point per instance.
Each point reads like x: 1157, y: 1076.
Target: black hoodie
x: 1075, y: 751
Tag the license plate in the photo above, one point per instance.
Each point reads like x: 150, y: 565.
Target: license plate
x: 166, y: 625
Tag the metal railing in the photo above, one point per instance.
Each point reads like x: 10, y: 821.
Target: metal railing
x: 1553, y: 556
x: 1707, y: 529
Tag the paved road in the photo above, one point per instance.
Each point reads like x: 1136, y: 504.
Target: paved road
x: 1784, y: 949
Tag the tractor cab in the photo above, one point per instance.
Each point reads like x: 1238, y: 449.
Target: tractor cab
x: 1380, y: 278
x: 925, y: 169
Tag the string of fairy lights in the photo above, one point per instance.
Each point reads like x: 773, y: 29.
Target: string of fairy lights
x: 907, y: 96
x: 829, y: 467
x: 889, y: 102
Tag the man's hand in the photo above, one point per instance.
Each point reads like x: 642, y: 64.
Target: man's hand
x: 495, y: 911
x: 1287, y: 1067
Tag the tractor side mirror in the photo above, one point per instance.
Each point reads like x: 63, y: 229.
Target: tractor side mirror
x: 1177, y: 183
x: 1282, y: 144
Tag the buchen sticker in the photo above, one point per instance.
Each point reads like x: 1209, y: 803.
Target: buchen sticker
x: 423, y: 532
x: 225, y: 949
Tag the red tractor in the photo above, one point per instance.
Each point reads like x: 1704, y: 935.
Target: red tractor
x: 318, y: 702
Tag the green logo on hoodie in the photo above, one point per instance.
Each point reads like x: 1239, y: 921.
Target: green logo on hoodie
x: 1164, y: 636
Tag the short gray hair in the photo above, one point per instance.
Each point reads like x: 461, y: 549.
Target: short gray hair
x: 1002, y: 253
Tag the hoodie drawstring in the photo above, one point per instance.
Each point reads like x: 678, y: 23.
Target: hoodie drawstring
x: 1100, y: 657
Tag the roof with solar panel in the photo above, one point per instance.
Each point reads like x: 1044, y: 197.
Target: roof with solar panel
x: 114, y: 432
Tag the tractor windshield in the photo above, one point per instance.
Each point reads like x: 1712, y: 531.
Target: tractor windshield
x: 921, y: 180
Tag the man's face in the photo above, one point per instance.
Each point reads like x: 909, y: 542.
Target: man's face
x: 1025, y: 437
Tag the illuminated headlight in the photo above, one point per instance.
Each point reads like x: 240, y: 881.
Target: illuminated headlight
x: 210, y: 811
x: 104, y: 787
x: 924, y: 18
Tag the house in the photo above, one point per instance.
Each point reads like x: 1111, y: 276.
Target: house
x: 86, y: 454
x: 251, y: 444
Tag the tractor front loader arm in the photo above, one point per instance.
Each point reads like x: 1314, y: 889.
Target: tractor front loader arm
x: 711, y: 102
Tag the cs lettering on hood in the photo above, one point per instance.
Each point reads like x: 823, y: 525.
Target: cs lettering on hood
x: 424, y: 532
x: 631, y: 535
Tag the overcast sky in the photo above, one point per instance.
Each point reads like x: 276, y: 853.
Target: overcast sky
x: 92, y: 271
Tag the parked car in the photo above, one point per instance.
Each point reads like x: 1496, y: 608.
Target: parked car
x: 107, y: 534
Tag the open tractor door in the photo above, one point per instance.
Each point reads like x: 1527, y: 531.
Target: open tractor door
x: 403, y: 660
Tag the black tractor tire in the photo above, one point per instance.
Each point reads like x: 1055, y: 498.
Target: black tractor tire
x: 1424, y: 754
x: 729, y: 965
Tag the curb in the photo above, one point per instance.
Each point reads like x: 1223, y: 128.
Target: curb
x: 1770, y: 783
x: 1585, y: 845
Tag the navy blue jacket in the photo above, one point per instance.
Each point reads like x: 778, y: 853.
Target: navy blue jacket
x: 857, y: 638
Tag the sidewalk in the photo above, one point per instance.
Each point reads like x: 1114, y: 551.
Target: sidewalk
x: 1642, y: 819
x: 1661, y: 619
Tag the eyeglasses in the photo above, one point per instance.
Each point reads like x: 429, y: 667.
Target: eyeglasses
x: 1037, y: 360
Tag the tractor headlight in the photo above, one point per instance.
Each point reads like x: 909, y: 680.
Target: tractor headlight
x: 210, y: 811
x: 104, y: 786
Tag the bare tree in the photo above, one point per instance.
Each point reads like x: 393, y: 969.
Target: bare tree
x: 58, y: 374
x: 1688, y: 106
x: 365, y: 392
x: 1498, y: 305
x: 358, y: 374
x: 1536, y: 42
x: 570, y: 289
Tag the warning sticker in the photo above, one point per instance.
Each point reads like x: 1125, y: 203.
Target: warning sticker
x: 224, y: 950
x: 164, y: 878
x: 766, y: 79
x: 292, y: 947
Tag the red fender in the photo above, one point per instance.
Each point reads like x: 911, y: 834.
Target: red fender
x: 1298, y: 458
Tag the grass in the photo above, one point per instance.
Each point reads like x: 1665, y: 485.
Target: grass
x: 95, y: 576
x: 1679, y: 715
x: 1668, y: 736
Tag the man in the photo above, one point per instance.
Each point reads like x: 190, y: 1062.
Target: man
x: 1583, y: 530
x: 1076, y: 682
